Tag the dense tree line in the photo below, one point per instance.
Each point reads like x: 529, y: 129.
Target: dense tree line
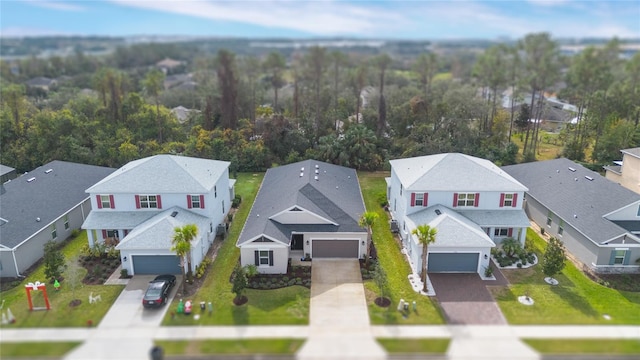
x: 344, y: 108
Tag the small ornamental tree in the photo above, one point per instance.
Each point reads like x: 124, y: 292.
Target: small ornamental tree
x: 554, y: 257
x: 380, y: 277
x: 239, y: 281
x: 53, y: 260
x: 366, y: 221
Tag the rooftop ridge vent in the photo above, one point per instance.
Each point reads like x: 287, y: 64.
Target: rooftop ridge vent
x: 48, y: 171
x: 572, y: 169
x: 174, y: 214
x: 588, y: 178
x: 32, y: 179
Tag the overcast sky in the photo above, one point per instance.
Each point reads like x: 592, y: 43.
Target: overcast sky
x: 390, y: 19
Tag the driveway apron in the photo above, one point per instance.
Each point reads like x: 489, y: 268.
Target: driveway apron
x: 127, y: 330
x: 339, y: 318
x: 466, y: 300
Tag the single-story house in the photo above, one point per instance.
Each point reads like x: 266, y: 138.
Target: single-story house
x: 305, y: 208
x: 597, y: 220
x: 47, y: 203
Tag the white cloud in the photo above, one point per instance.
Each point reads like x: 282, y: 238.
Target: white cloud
x: 548, y: 3
x: 313, y: 17
x: 56, y: 5
x: 17, y: 31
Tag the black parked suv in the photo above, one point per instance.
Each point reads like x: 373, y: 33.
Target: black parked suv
x: 157, y: 293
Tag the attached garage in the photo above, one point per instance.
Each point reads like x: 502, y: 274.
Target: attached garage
x: 156, y: 264
x: 453, y: 262
x: 335, y: 249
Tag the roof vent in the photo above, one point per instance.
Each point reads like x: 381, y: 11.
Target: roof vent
x: 301, y: 174
x: 173, y: 214
x: 316, y: 178
x: 572, y: 169
x: 302, y: 168
x: 438, y: 212
x: 317, y: 171
x: 48, y: 171
x: 32, y: 179
x: 317, y: 166
x: 588, y: 178
x: 38, y: 219
x: 576, y: 179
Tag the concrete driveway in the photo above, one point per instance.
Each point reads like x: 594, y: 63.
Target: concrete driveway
x: 338, y: 319
x: 466, y: 300
x: 127, y: 315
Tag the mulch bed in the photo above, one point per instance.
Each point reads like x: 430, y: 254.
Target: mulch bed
x: 382, y: 301
x: 98, y: 269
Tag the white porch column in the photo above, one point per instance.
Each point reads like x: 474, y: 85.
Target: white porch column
x: 90, y: 237
x: 523, y: 235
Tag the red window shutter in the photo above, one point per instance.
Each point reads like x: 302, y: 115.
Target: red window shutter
x: 425, y: 198
x: 477, y: 200
x: 502, y: 200
x: 201, y: 201
x: 510, y: 232
x: 104, y: 234
x: 455, y: 199
x: 137, y: 201
x: 188, y: 201
x: 111, y: 202
x: 514, y: 203
x: 99, y: 201
x: 159, y: 201
x: 413, y: 199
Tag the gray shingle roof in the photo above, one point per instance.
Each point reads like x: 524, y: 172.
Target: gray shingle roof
x: 48, y: 197
x: 157, y: 232
x: 163, y: 174
x: 454, y: 230
x: 453, y: 172
x: 568, y: 193
x: 4, y: 169
x: 335, y: 196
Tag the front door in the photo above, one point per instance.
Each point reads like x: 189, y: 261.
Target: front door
x: 296, y: 241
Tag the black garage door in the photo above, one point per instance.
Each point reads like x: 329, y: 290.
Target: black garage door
x: 156, y: 264
x: 450, y: 262
x: 335, y: 249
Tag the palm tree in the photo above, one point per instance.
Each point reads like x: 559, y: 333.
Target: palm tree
x: 181, y: 241
x: 367, y: 220
x: 426, y: 235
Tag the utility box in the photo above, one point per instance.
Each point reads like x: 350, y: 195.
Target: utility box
x: 394, y: 226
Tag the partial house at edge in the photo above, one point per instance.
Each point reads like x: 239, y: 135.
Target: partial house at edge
x: 597, y: 220
x: 627, y: 171
x: 45, y: 204
x: 472, y: 203
x: 137, y: 208
x: 309, y: 207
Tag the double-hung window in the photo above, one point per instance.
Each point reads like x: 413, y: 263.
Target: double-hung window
x: 263, y: 257
x: 148, y: 201
x: 466, y: 199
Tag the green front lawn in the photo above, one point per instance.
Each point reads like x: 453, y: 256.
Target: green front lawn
x: 32, y: 350
x: 585, y: 346
x: 281, y: 306
x: 231, y: 347
x: 415, y: 346
x: 576, y: 300
x: 61, y: 314
x: 397, y: 268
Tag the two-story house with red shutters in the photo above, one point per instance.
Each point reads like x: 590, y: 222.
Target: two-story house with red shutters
x: 137, y: 208
x: 472, y: 203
